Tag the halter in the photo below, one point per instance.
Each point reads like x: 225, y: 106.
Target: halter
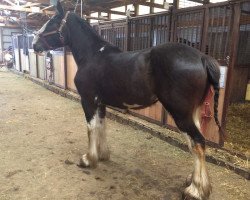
x: 59, y: 31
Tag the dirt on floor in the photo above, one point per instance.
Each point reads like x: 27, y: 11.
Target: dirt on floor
x: 238, y: 128
x: 43, y: 135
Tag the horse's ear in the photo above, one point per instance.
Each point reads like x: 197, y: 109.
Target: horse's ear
x: 59, y: 8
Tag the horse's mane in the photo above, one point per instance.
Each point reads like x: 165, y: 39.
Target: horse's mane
x: 86, y: 26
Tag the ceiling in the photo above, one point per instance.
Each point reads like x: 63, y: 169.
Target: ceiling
x: 33, y: 13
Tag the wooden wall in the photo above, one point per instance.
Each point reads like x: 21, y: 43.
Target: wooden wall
x: 17, y: 60
x: 33, y: 63
x: 59, y: 68
x: 41, y: 67
x: 71, y: 71
x: 24, y: 61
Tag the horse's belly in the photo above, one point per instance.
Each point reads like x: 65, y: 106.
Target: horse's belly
x: 130, y: 101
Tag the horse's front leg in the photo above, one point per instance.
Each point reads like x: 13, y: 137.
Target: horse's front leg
x: 103, y: 150
x: 97, y: 144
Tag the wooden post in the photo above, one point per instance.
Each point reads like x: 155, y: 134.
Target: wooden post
x: 151, y: 7
x: 176, y: 4
x: 172, y: 24
x: 37, y: 72
x: 136, y: 9
x: 65, y: 68
x: 233, y: 58
x: 204, y: 30
x: 206, y: 1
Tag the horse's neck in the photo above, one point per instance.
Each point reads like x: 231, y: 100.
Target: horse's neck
x: 83, y: 43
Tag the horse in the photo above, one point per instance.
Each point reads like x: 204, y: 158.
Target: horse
x: 175, y: 74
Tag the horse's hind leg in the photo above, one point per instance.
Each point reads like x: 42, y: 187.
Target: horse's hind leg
x: 200, y: 187
x: 97, y: 145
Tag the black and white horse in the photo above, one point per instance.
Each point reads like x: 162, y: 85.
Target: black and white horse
x: 175, y: 74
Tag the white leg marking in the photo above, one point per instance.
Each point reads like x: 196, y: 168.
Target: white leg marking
x: 196, y: 118
x: 94, y: 128
x: 98, y: 148
x: 84, y: 162
x: 91, y: 158
x: 200, y: 187
x: 103, y: 145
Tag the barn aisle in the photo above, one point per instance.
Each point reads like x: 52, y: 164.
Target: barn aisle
x: 42, y: 136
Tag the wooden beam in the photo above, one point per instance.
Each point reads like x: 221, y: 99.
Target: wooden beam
x: 198, y: 1
x: 9, y: 25
x: 152, y: 5
x: 21, y: 9
x: 10, y: 2
x: 108, y: 11
x: 44, y: 2
x: 30, y: 5
x: 97, y: 18
x: 44, y: 9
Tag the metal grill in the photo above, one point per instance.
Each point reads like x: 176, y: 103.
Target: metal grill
x: 148, y: 31
x: 219, y: 32
x: 115, y: 33
x: 188, y: 28
x: 206, y: 28
x: 244, y: 36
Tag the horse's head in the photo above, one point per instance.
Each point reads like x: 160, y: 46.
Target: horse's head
x: 53, y: 34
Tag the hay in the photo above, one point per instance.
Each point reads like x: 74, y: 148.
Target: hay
x: 238, y: 128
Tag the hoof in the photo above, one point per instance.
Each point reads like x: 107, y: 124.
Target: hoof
x: 104, y: 156
x: 187, y: 197
x: 86, y: 162
x: 194, y: 193
x: 189, y: 180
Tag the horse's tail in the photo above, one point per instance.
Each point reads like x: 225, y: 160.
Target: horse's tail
x: 213, y: 74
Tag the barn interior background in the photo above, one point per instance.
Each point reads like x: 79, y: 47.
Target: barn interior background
x: 220, y: 29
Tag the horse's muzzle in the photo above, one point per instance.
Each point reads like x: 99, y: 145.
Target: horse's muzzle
x: 38, y: 48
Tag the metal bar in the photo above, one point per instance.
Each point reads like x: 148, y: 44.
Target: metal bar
x: 139, y: 35
x: 144, y: 34
x: 192, y: 17
x: 148, y: 25
x: 128, y: 34
x: 161, y: 30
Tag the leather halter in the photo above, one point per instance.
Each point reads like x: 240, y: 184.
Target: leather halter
x: 59, y: 31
